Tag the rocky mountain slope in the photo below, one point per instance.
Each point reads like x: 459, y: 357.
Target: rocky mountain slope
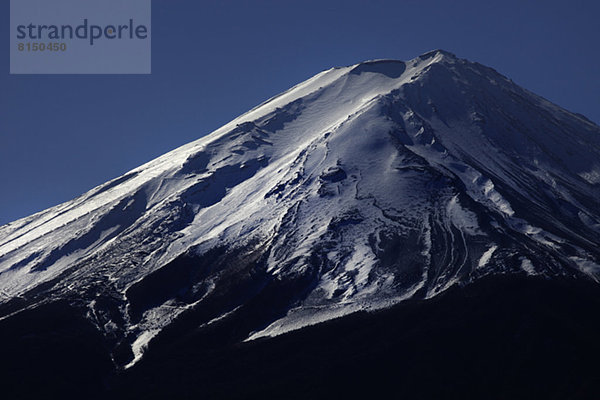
x: 356, y: 190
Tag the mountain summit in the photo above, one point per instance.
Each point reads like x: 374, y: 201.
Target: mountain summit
x: 358, y: 189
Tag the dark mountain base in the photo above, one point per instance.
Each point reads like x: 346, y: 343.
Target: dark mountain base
x: 51, y: 352
x: 507, y: 337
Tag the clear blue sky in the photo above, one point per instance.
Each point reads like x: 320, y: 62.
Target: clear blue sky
x: 62, y: 135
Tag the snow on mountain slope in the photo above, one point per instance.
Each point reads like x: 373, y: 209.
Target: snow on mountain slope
x: 356, y: 189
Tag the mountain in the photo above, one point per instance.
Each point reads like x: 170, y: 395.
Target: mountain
x: 366, y: 192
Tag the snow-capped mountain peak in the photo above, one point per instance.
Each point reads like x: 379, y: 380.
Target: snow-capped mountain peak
x: 357, y: 189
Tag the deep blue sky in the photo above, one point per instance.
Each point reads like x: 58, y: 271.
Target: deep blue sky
x: 62, y: 135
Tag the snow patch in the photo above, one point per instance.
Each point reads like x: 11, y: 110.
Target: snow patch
x: 463, y: 219
x: 485, y: 257
x: 588, y: 267
x: 527, y: 266
x: 592, y: 176
x: 140, y: 345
